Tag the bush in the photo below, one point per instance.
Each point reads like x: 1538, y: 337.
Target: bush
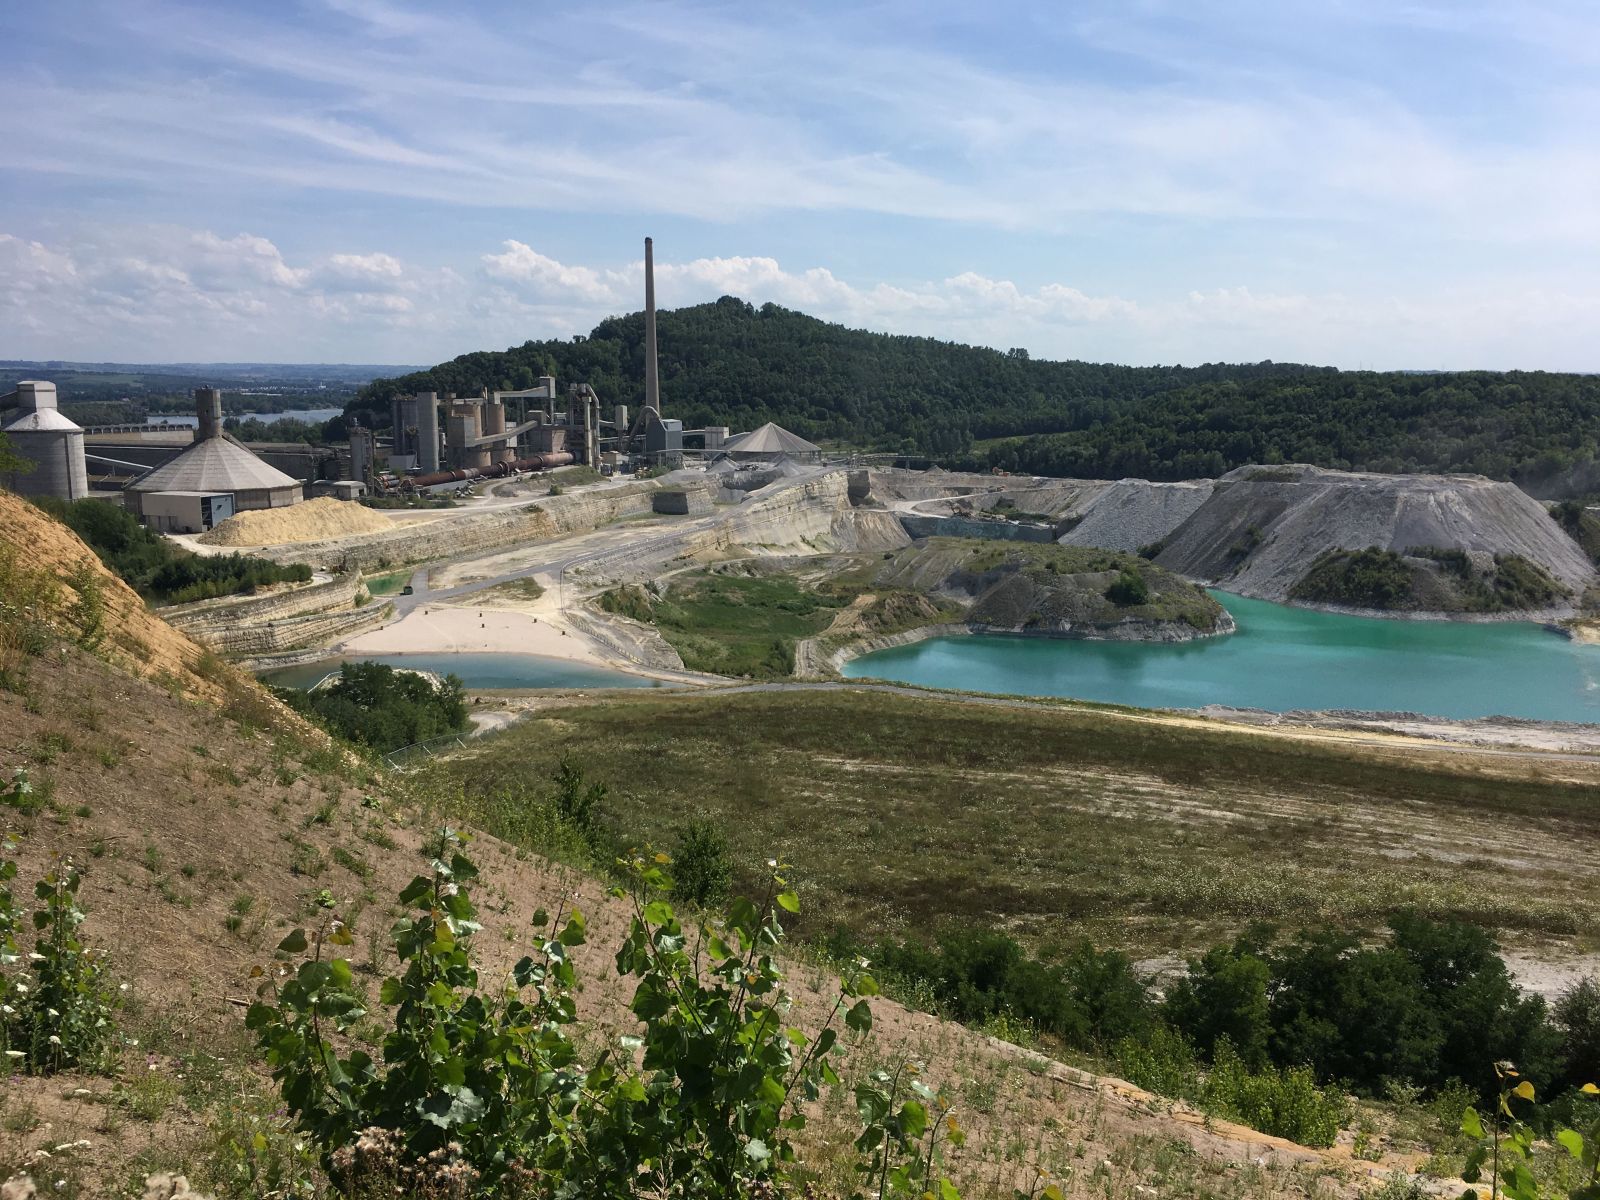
x: 1283, y: 1102
x: 482, y: 1090
x: 1370, y: 578
x: 1224, y: 997
x: 1091, y: 1000
x: 1577, y: 1015
x: 56, y: 1014
x: 700, y: 870
x: 155, y: 567
x: 576, y: 802
x: 1128, y: 589
x: 376, y: 705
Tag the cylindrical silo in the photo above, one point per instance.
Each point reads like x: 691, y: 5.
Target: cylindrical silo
x: 428, y: 431
x: 494, y: 422
x: 208, y: 412
x: 39, y: 434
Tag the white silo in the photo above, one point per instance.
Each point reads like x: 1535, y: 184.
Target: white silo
x: 54, y: 445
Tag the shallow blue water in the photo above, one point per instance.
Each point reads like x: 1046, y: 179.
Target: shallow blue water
x: 477, y: 671
x: 1281, y: 658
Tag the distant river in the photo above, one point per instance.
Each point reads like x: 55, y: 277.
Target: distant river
x: 304, y: 414
x: 1281, y: 658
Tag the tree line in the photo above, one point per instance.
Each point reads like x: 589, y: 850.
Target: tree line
x: 731, y: 363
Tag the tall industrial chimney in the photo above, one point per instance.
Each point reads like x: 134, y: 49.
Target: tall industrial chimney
x: 652, y: 380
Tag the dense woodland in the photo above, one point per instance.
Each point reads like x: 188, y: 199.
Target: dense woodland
x: 728, y: 363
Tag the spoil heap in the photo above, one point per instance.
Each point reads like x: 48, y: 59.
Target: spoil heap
x: 313, y: 521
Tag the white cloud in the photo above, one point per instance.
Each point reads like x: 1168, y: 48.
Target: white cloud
x: 522, y: 265
x: 155, y: 293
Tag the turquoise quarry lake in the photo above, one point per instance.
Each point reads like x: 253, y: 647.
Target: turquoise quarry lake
x: 476, y: 671
x: 1281, y: 658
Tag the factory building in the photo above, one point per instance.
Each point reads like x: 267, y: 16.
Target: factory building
x: 214, y: 466
x: 43, y: 437
x: 769, y: 443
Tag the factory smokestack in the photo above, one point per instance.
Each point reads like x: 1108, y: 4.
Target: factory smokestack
x: 652, y: 380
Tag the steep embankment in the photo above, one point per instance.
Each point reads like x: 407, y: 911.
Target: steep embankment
x: 808, y: 516
x: 129, y: 634
x: 1262, y: 528
x: 464, y: 532
x: 208, y: 829
x: 1132, y: 514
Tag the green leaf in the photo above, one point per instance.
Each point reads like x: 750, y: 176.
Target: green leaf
x: 540, y: 917
x: 913, y: 1119
x: 1471, y: 1123
x: 573, y: 934
x: 294, y: 943
x: 859, y: 1018
x: 789, y: 902
x: 418, y: 888
x: 658, y: 912
x: 756, y: 1150
x: 1572, y: 1140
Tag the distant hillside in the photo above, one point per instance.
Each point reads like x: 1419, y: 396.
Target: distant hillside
x: 729, y: 363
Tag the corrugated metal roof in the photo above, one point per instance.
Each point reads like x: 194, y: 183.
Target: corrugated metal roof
x: 217, y: 464
x: 770, y: 439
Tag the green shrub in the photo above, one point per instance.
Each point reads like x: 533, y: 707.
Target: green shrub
x: 1091, y: 999
x: 1224, y: 998
x: 376, y: 705
x: 700, y: 872
x: 1577, y: 1015
x: 1128, y: 589
x: 1370, y: 578
x: 56, y: 1013
x: 155, y: 567
x: 486, y: 1087
x: 1284, y: 1102
x: 577, y: 802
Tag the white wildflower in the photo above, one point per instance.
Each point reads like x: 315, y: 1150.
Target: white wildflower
x: 14, y: 1054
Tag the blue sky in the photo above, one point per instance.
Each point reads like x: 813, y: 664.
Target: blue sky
x: 1355, y: 182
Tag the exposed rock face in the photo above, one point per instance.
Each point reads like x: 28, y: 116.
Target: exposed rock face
x: 1134, y: 513
x: 453, y: 535
x: 1261, y: 528
x: 813, y: 516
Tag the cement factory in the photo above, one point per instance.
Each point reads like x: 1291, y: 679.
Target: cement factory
x: 182, y: 483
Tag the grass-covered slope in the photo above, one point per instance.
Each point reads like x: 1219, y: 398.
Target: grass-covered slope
x: 1058, y: 822
x: 731, y: 623
x: 210, y: 822
x: 1428, y: 580
x: 745, y: 619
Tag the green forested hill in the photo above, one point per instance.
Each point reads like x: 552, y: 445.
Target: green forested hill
x: 728, y: 363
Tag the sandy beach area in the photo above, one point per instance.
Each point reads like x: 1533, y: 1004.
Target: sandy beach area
x: 446, y: 628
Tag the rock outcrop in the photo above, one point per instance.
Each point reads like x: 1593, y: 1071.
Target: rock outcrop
x: 1056, y: 591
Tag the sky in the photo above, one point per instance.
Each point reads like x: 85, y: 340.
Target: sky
x: 1362, y: 183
